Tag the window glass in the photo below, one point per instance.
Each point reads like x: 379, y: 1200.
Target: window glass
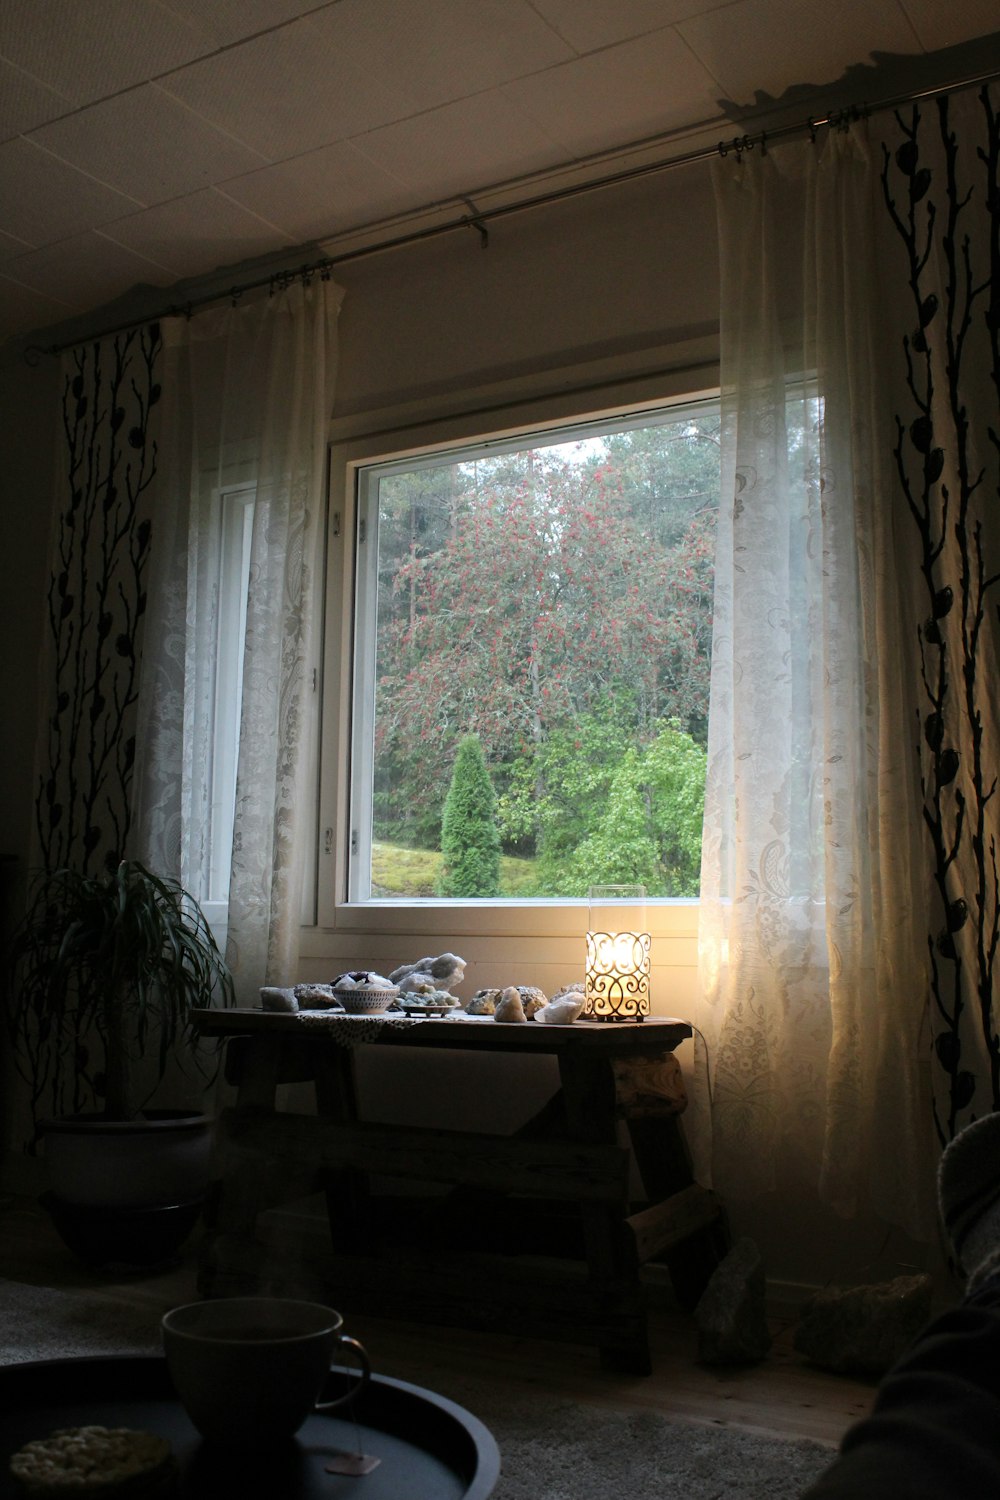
x: 533, y: 635
x: 234, y: 509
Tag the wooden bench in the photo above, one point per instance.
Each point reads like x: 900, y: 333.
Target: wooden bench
x: 567, y: 1167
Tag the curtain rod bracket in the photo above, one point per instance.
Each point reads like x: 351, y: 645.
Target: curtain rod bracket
x: 475, y: 221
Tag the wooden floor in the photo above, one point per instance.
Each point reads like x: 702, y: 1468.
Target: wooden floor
x: 782, y: 1395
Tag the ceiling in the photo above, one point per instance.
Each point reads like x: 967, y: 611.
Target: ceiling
x: 151, y: 142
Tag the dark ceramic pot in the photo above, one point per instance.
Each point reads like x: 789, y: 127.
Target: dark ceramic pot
x: 127, y: 1193
x: 123, y: 1239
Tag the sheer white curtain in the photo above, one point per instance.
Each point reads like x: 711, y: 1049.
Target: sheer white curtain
x: 812, y: 971
x: 247, y: 394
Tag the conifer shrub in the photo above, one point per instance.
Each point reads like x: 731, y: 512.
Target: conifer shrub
x: 470, y: 838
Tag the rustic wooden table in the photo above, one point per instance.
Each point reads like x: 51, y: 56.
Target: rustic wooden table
x: 571, y: 1155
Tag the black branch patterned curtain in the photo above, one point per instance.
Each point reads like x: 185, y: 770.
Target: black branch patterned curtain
x: 96, y: 601
x: 941, y: 199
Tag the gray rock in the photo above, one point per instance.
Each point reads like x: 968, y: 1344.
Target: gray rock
x: 274, y: 997
x: 863, y: 1329
x: 562, y: 1011
x: 425, y: 996
x: 577, y: 987
x: 444, y: 972
x: 510, y: 1006
x: 731, y: 1316
x: 532, y: 998
x: 483, y: 1002
x: 315, y: 997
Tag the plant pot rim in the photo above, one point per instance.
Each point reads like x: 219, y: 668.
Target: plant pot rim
x: 84, y: 1213
x: 153, y: 1121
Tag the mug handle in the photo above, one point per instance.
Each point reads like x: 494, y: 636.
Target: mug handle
x: 364, y: 1374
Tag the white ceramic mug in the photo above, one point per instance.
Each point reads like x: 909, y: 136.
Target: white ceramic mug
x: 250, y: 1370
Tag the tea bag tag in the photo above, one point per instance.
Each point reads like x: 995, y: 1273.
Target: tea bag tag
x: 352, y: 1463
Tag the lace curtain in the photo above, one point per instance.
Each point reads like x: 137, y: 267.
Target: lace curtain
x: 812, y: 954
x: 247, y: 393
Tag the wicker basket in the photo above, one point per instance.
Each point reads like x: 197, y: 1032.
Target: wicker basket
x: 365, y: 1002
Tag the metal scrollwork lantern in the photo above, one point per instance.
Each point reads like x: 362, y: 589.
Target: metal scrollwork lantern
x: 616, y: 986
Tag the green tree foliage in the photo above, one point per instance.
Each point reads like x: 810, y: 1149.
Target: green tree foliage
x: 637, y: 820
x: 470, y: 839
x: 557, y: 603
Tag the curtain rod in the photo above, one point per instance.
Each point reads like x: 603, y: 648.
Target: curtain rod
x: 478, y: 219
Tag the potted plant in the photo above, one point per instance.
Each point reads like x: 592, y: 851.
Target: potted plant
x: 106, y: 970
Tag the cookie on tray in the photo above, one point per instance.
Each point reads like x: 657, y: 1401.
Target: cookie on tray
x: 98, y: 1463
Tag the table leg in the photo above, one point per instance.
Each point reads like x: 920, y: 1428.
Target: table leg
x: 348, y: 1199
x: 588, y: 1089
x: 664, y: 1165
x: 232, y: 1257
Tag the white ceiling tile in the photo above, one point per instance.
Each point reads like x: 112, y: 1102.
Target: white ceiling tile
x: 442, y: 49
x: 322, y: 193
x: 45, y: 200
x: 228, y: 21
x: 10, y: 245
x: 771, y: 45
x: 88, y: 49
x: 610, y: 98
x: 147, y: 145
x: 22, y: 310
x: 940, y: 25
x: 84, y: 271
x: 286, y: 93
x: 469, y: 144
x: 589, y: 24
x: 381, y: 107
x: 25, y: 103
x: 198, y: 233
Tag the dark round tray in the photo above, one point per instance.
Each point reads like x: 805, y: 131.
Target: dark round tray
x: 429, y: 1448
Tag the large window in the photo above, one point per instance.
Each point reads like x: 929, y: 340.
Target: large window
x: 532, y: 646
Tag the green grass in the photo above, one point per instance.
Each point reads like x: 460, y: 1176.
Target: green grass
x: 397, y: 871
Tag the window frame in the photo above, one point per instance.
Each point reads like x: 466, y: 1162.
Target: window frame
x: 350, y: 452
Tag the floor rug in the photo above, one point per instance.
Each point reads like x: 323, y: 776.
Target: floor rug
x: 551, y: 1448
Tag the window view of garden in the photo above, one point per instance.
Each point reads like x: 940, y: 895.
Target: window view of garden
x: 544, y: 622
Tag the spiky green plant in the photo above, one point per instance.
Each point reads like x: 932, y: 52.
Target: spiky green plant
x: 119, y: 960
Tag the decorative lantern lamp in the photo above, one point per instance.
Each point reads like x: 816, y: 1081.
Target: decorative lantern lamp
x: 616, y: 986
